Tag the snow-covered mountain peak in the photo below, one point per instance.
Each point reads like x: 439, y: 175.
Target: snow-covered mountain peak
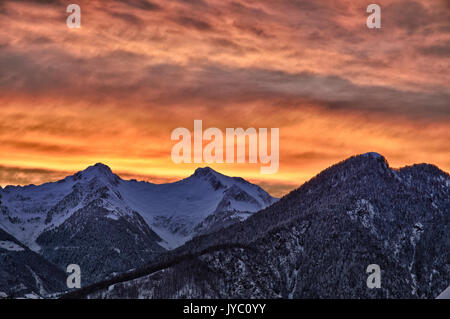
x: 207, y: 173
x: 202, y: 171
x: 100, y: 167
x: 172, y: 210
x: 98, y: 171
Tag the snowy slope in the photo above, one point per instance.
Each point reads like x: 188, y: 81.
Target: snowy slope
x: 174, y: 210
x: 445, y: 294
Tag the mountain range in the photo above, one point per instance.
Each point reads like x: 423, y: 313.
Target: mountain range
x: 107, y: 225
x: 213, y: 236
x: 316, y: 242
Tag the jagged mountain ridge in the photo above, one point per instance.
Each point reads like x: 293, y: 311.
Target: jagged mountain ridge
x: 173, y: 210
x: 106, y: 224
x: 317, y: 241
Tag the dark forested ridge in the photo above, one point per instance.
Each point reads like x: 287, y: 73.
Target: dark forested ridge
x: 317, y: 242
x: 24, y: 272
x: 100, y: 245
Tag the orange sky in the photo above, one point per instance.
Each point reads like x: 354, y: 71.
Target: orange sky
x: 114, y: 90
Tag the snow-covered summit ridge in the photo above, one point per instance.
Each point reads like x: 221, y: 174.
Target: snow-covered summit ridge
x: 172, y: 210
x: 98, y: 171
x: 205, y: 171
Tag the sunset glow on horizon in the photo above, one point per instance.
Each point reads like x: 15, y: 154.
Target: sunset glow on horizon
x: 114, y: 90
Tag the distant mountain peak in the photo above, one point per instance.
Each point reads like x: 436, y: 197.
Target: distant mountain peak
x: 369, y: 158
x: 372, y: 155
x: 101, y: 165
x: 100, y: 168
x: 206, y: 172
x: 99, y: 171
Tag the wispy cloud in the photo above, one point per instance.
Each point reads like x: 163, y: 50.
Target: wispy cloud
x: 138, y: 69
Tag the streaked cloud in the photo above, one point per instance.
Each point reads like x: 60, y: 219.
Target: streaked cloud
x: 138, y: 69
